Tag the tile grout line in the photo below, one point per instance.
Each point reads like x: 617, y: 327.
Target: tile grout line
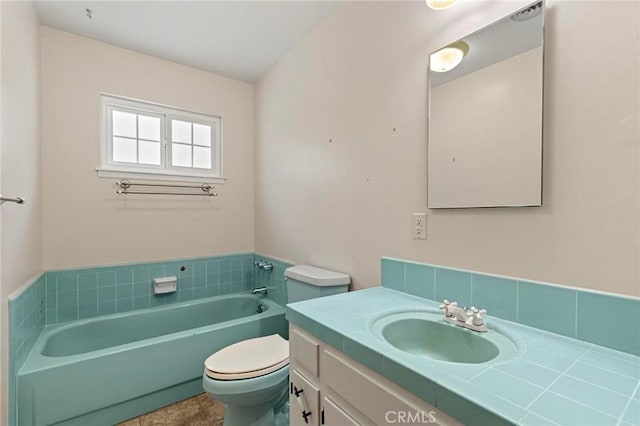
x: 626, y: 407
x: 548, y: 388
x: 575, y: 318
x: 518, y: 301
x: 434, y: 283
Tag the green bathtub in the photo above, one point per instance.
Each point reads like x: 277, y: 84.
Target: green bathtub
x: 108, y: 369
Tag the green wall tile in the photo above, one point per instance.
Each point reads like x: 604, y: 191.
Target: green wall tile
x: 547, y: 307
x: 106, y: 294
x: 87, y: 280
x: 420, y: 280
x: 106, y: 278
x: 67, y: 314
x: 142, y: 289
x: 67, y: 281
x: 393, y: 274
x: 595, y: 313
x: 199, y: 281
x: 106, y: 307
x: 454, y: 286
x: 124, y: 291
x: 156, y: 271
x: 124, y: 275
x: 88, y: 310
x: 141, y: 273
x: 124, y: 305
x: 68, y: 299
x: 88, y: 297
x: 499, y: 296
x: 141, y: 302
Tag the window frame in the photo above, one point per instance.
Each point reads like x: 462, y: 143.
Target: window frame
x: 165, y: 171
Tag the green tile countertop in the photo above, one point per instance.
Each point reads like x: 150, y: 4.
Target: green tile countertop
x: 552, y: 380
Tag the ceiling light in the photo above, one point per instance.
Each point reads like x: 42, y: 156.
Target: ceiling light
x: 448, y: 57
x: 440, y: 4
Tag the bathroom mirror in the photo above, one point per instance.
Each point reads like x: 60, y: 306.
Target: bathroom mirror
x: 485, y: 116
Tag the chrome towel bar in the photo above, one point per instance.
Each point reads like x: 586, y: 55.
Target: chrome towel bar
x: 17, y: 200
x: 125, y: 185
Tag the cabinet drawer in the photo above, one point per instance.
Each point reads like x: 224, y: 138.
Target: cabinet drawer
x: 304, y: 350
x: 335, y: 416
x: 304, y: 401
x: 359, y: 389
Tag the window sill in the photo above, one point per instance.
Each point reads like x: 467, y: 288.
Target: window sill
x: 117, y: 173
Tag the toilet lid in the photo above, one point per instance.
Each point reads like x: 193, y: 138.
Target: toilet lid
x: 248, y: 358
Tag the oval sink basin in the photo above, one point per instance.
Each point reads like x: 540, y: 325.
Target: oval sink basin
x: 426, y: 334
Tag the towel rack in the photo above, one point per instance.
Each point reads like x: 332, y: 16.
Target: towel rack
x: 125, y: 186
x: 17, y: 200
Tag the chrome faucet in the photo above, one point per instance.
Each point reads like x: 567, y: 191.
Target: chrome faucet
x: 264, y: 265
x: 472, y: 318
x: 259, y: 290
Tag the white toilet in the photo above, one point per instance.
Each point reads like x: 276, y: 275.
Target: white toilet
x: 251, y: 377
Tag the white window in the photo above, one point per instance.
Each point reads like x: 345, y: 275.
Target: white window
x: 141, y: 139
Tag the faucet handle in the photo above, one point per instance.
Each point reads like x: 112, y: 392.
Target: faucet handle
x: 445, y: 304
x: 477, y: 316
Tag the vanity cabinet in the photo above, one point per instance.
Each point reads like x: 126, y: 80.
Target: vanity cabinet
x: 330, y: 388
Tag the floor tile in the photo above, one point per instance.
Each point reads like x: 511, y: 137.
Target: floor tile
x: 197, y: 411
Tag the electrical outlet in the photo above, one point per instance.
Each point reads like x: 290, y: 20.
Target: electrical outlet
x: 419, y: 226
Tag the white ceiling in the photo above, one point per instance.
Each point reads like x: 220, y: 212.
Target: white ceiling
x: 238, y: 39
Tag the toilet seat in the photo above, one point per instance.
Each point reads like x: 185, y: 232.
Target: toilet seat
x: 248, y: 358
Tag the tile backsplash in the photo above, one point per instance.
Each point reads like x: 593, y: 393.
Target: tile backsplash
x: 26, y: 321
x: 274, y: 279
x: 605, y: 319
x: 90, y: 292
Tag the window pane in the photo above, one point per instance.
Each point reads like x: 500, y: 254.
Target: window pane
x: 149, y: 153
x: 181, y: 155
x: 124, y: 150
x: 124, y: 124
x: 201, y: 134
x: 180, y: 131
x: 149, y: 128
x: 201, y: 157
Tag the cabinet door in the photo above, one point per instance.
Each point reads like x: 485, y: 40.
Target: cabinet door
x: 304, y: 401
x: 304, y: 350
x: 335, y: 416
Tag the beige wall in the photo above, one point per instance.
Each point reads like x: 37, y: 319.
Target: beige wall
x: 21, y: 227
x: 336, y: 185
x: 86, y: 223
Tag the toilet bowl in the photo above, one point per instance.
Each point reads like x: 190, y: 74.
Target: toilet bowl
x: 251, y: 377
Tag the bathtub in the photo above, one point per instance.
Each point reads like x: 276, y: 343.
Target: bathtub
x: 108, y: 369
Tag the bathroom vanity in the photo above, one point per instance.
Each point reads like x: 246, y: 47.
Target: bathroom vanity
x: 345, y: 371
x: 330, y: 388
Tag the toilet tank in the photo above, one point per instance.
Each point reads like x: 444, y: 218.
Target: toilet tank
x: 308, y: 282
